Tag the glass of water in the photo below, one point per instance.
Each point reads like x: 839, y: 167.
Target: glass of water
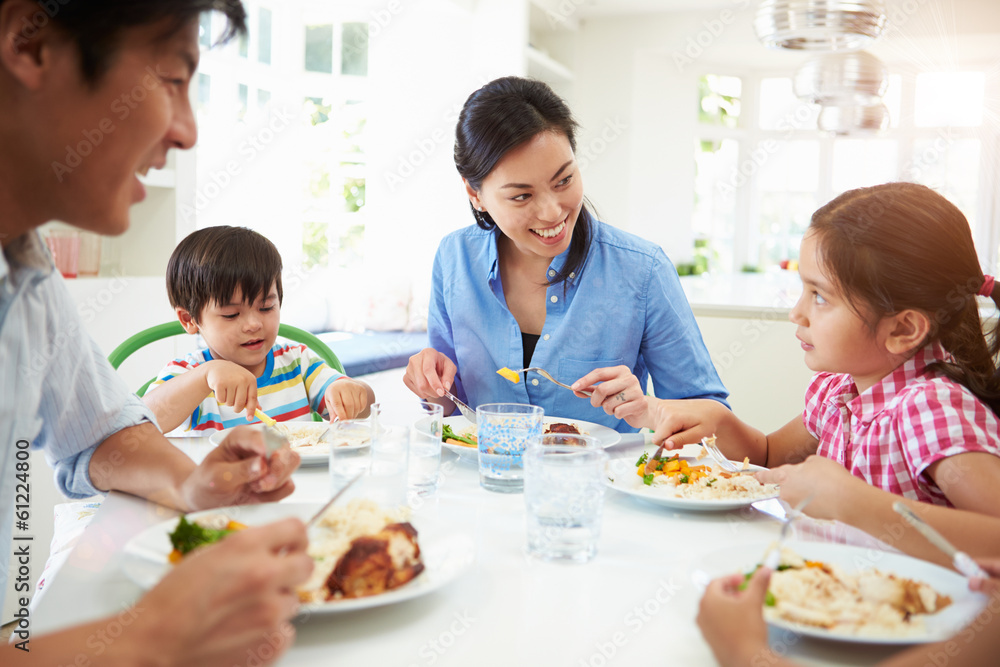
x: 350, y: 453
x: 425, y: 448
x: 503, y: 431
x: 564, y: 496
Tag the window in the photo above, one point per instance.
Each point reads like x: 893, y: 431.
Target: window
x: 760, y: 176
x: 294, y: 165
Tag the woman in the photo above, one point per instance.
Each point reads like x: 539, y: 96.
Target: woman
x: 539, y: 282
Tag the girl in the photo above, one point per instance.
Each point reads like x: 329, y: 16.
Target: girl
x: 906, y: 388
x: 537, y: 281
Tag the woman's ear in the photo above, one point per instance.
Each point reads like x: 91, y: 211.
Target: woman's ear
x: 908, y: 330
x: 25, y: 48
x: 184, y: 317
x: 473, y: 196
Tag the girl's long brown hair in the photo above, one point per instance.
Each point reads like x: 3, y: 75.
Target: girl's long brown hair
x: 902, y: 246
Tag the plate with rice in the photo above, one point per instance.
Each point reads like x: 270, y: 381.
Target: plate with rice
x: 346, y: 531
x: 307, y: 439
x: 686, y: 482
x: 856, y: 594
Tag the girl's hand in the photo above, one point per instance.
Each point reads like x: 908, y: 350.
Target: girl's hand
x: 829, y: 482
x: 618, y: 392
x: 684, y: 421
x: 233, y: 385
x: 989, y: 586
x: 429, y: 373
x: 346, y: 398
x: 731, y: 619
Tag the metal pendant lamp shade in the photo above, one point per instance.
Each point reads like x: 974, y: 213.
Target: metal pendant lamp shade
x: 853, y: 119
x: 852, y: 78
x: 819, y: 25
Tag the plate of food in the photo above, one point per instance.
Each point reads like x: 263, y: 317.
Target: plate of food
x: 365, y: 556
x: 855, y: 594
x: 684, y: 482
x: 460, y: 434
x: 308, y: 439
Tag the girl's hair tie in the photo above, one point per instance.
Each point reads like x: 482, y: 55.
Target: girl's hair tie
x: 987, y: 287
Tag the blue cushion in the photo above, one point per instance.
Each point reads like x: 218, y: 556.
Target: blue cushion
x: 374, y: 351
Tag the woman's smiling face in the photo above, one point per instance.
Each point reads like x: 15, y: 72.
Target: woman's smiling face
x: 534, y: 194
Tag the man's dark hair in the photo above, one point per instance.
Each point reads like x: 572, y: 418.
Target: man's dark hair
x: 209, y: 264
x: 96, y: 26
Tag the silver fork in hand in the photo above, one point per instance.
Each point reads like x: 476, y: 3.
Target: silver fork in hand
x: 709, y: 444
x: 545, y: 374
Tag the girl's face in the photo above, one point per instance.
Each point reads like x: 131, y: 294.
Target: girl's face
x: 241, y: 332
x: 834, y: 337
x: 534, y: 195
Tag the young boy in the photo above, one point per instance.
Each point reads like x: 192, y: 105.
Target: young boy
x: 225, y: 283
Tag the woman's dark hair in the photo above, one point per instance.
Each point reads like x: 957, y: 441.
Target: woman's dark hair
x: 902, y: 246
x: 501, y: 116
x: 209, y: 264
x: 96, y: 26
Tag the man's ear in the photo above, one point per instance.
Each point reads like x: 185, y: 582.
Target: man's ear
x: 908, y: 330
x: 184, y: 317
x: 26, y: 40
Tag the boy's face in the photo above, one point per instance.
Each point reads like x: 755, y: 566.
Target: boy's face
x: 240, y: 332
x: 99, y: 138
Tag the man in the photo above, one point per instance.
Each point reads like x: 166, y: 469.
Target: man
x: 68, y: 72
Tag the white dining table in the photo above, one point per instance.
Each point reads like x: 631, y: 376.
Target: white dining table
x: 634, y: 603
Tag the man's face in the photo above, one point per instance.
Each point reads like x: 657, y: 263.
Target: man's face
x: 102, y: 136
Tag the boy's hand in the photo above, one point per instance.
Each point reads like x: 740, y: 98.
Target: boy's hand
x: 233, y: 385
x: 346, y: 398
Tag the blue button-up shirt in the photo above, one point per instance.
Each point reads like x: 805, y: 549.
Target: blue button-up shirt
x: 57, y: 391
x: 624, y: 307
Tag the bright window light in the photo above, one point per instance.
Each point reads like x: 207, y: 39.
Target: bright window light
x: 949, y: 99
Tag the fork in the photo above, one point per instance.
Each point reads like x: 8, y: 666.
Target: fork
x: 772, y: 559
x: 466, y: 411
x: 709, y: 444
x: 545, y: 374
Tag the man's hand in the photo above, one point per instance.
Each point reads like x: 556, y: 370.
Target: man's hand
x: 238, y: 472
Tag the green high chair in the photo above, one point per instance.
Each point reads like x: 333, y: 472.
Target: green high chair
x: 168, y: 329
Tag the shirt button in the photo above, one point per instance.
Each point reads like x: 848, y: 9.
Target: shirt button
x: 572, y: 274
x: 551, y: 273
x: 546, y: 337
x: 553, y: 298
x: 534, y: 382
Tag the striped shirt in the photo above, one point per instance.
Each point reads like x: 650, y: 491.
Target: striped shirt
x: 58, y: 393
x: 291, y: 387
x: 890, y: 434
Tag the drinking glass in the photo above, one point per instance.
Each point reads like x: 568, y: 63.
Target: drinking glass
x: 564, y: 496
x: 425, y: 448
x: 387, y: 478
x: 350, y: 453
x: 503, y: 431
x: 65, y: 247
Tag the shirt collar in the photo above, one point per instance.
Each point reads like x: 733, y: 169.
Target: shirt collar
x: 869, y: 405
x: 493, y: 259
x: 27, y: 251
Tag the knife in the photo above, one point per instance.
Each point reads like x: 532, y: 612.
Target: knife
x: 322, y: 510
x: 961, y: 560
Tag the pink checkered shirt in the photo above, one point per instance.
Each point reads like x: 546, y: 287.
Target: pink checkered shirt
x: 890, y: 434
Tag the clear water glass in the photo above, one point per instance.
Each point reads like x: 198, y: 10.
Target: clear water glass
x: 387, y: 478
x: 350, y: 453
x: 564, y: 496
x: 425, y: 449
x: 503, y: 431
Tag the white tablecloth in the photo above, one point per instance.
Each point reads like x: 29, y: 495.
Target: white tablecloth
x: 635, y: 603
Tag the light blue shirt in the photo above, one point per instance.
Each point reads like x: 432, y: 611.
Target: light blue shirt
x: 624, y: 307
x: 57, y: 391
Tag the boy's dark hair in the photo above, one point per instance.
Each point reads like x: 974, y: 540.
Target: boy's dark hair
x: 898, y: 246
x: 501, y: 116
x: 96, y: 26
x: 209, y: 264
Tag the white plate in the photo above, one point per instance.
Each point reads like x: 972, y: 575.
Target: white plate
x: 445, y: 554
x: 311, y: 455
x: 964, y: 607
x: 621, y: 476
x: 605, y: 436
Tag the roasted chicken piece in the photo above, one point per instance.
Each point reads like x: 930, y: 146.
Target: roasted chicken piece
x: 377, y: 563
x: 561, y: 427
